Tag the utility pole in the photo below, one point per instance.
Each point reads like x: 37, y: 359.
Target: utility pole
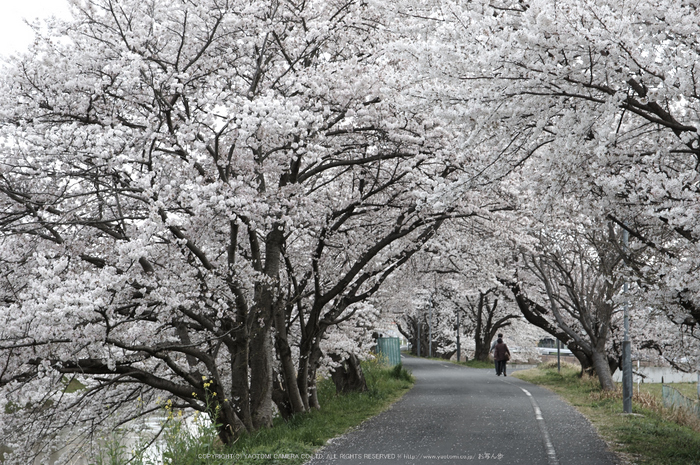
x: 430, y: 330
x: 627, y: 386
x: 418, y: 338
x: 458, y: 351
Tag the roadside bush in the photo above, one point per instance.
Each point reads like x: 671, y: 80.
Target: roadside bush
x: 399, y: 372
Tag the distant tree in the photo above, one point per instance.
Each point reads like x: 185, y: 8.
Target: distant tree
x: 487, y: 320
x: 575, y: 277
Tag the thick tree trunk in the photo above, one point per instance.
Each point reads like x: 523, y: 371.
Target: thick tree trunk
x: 230, y: 426
x: 596, y: 363
x: 313, y: 395
x: 602, y: 369
x: 481, y: 347
x: 280, y: 398
x: 289, y: 385
x: 482, y: 352
x: 240, y: 335
x: 240, y: 390
x: 261, y: 342
x: 348, y: 376
x: 260, y: 360
x: 584, y: 359
x: 261, y: 379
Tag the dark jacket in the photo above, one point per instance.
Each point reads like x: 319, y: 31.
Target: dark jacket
x: 499, y: 353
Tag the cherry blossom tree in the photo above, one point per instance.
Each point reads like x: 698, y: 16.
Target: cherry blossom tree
x: 193, y: 195
x: 613, y: 90
x: 482, y: 311
x: 454, y: 278
x: 577, y: 271
x: 601, y: 99
x: 410, y: 299
x: 200, y: 202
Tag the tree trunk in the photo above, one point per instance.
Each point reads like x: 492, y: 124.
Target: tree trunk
x: 313, y: 395
x: 588, y: 364
x: 614, y: 363
x: 261, y: 342
x: 230, y: 426
x: 423, y: 340
x: 260, y: 360
x: 314, y: 361
x: 482, y: 352
x: 240, y: 390
x: 261, y: 378
x: 289, y: 385
x: 602, y: 369
x: 281, y: 400
x: 583, y: 358
x: 348, y: 376
x: 303, y: 377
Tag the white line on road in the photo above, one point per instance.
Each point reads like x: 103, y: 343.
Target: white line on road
x: 551, y: 454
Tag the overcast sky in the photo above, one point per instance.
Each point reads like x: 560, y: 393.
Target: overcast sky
x: 14, y: 34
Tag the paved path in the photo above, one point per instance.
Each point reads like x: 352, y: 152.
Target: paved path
x: 459, y: 415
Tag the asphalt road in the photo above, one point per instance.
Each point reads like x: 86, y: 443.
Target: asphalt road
x: 459, y: 415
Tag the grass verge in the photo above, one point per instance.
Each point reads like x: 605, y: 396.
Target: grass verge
x: 689, y: 390
x: 477, y: 364
x: 652, y: 435
x: 305, y: 433
x: 289, y: 442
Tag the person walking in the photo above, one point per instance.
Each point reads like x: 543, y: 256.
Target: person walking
x: 501, y: 355
x: 493, y: 346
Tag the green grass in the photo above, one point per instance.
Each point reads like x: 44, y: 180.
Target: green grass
x: 289, y: 442
x: 689, y: 390
x: 478, y: 364
x: 652, y: 435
